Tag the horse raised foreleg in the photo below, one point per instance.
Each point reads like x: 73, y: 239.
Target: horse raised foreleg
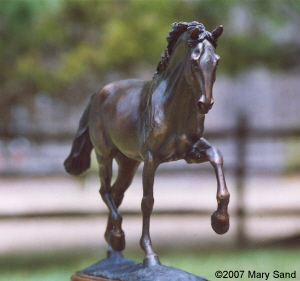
x: 203, y: 151
x: 151, y: 259
x: 115, y: 237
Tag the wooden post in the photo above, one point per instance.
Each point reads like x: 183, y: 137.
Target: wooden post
x: 240, y: 174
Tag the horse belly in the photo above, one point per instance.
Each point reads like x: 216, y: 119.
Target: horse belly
x: 124, y: 133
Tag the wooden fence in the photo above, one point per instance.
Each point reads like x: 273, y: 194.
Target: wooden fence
x: 240, y: 136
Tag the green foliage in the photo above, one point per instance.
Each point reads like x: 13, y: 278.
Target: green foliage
x: 65, y: 48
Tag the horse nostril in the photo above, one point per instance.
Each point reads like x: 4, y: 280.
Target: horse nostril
x: 201, y: 105
x: 205, y: 107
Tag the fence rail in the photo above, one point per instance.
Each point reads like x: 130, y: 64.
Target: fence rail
x: 137, y: 212
x: 258, y: 133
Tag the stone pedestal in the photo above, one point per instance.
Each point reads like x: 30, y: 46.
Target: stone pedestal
x: 118, y: 268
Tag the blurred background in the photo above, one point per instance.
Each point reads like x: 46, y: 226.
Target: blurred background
x: 54, y: 54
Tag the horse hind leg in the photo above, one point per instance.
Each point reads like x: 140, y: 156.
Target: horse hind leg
x: 115, y: 238
x: 126, y: 172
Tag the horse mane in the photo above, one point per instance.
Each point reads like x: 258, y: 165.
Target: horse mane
x: 178, y: 29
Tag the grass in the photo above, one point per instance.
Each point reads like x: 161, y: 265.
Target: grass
x: 260, y: 260
x: 60, y: 266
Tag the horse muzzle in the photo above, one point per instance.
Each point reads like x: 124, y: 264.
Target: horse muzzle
x: 205, y: 107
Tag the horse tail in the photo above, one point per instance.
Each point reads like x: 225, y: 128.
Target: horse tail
x: 79, y: 159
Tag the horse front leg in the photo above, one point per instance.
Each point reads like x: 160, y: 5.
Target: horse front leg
x: 151, y: 259
x: 203, y: 151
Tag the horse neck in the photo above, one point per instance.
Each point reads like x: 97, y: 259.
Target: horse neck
x: 173, y: 102
x: 172, y: 84
x: 172, y: 89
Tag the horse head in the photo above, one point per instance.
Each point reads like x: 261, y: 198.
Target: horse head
x: 189, y: 44
x: 201, y: 66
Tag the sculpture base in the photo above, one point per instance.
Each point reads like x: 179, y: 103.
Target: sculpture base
x: 118, y: 268
x: 83, y: 277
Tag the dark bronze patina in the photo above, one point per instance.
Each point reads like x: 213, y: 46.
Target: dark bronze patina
x: 154, y: 122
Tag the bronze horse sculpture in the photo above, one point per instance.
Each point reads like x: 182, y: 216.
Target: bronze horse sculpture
x: 154, y: 122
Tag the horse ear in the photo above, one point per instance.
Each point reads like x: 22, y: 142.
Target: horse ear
x: 216, y: 33
x: 195, y: 33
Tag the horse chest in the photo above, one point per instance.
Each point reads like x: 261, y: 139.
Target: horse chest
x: 170, y: 147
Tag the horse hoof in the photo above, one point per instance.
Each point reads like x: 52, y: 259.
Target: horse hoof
x: 219, y: 223
x: 117, y: 240
x: 151, y: 261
